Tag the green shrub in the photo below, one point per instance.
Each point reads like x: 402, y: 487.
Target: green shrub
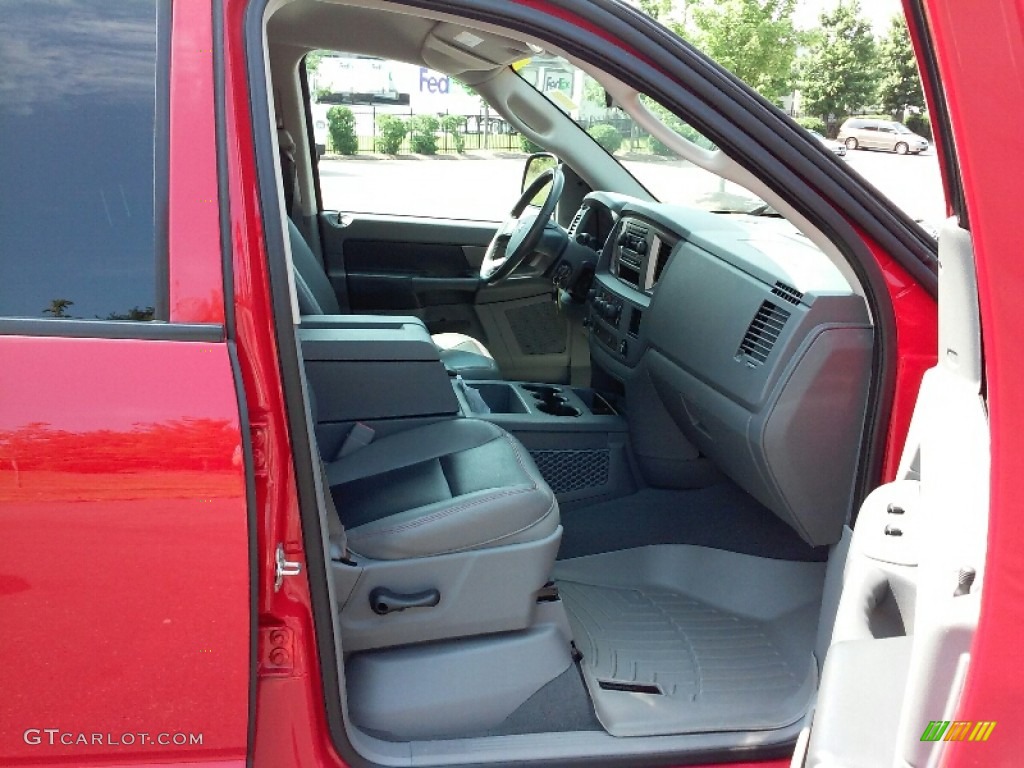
x: 812, y: 123
x: 607, y: 136
x: 341, y: 124
x: 920, y: 124
x: 529, y: 146
x: 423, y: 134
x: 391, y: 132
x: 453, y: 125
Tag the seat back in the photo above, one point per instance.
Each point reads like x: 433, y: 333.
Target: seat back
x: 315, y: 292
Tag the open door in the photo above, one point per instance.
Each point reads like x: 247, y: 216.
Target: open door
x: 923, y: 664
x: 912, y: 581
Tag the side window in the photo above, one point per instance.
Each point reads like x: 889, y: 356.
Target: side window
x: 401, y: 139
x: 78, y: 97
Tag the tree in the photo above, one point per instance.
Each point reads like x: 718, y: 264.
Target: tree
x: 58, y: 308
x: 593, y: 92
x: 753, y: 39
x: 839, y: 74
x: 136, y: 313
x: 312, y: 62
x: 901, y: 85
x: 655, y: 8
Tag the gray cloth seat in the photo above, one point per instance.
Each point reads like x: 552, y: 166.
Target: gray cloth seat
x: 459, y: 352
x: 451, y: 486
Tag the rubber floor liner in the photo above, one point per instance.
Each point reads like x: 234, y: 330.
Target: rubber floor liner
x: 679, y: 639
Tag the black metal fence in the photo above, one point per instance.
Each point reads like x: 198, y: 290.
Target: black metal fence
x: 479, y: 131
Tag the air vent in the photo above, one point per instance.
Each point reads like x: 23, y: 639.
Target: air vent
x: 787, y: 293
x: 763, y: 332
x: 664, y: 251
x: 575, y: 221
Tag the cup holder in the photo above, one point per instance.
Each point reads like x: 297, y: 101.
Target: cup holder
x: 542, y: 391
x: 555, y: 408
x: 553, y: 399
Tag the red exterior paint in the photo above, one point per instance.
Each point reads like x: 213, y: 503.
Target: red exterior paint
x: 196, y: 275
x: 916, y: 341
x: 291, y: 726
x: 125, y: 554
x: 980, y: 53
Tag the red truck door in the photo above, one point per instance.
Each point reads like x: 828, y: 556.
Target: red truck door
x: 125, y: 600
x: 948, y: 692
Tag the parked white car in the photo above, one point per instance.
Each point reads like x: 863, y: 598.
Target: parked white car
x: 834, y: 146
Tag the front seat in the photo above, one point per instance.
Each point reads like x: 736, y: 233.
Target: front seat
x: 459, y: 352
x: 450, y: 532
x: 451, y: 486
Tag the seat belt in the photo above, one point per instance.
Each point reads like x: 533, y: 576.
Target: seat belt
x: 359, y: 436
x: 289, y: 171
x: 337, y: 538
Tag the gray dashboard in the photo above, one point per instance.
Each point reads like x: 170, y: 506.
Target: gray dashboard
x: 737, y: 341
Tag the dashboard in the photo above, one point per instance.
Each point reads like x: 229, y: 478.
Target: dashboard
x: 738, y: 342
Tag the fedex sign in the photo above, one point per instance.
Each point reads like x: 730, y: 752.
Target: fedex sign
x: 432, y: 84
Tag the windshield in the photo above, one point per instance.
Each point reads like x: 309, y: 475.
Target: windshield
x: 666, y: 175
x: 901, y: 128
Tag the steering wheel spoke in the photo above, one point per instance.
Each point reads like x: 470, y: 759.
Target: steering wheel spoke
x: 520, y: 233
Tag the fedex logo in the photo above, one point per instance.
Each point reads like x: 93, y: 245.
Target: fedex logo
x: 432, y: 84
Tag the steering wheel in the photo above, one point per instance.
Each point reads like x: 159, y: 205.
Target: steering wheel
x: 519, y: 235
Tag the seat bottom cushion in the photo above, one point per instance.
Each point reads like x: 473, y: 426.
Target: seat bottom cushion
x: 445, y: 487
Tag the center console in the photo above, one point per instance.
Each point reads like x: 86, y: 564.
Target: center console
x: 498, y: 399
x: 575, y: 435
x: 385, y: 372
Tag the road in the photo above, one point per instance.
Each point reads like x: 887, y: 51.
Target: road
x: 912, y: 182
x: 477, y: 186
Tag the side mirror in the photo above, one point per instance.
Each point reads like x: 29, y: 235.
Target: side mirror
x: 536, y: 164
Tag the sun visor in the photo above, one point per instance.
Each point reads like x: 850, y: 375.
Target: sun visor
x: 452, y: 48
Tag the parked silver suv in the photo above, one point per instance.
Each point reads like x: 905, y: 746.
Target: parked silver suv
x: 867, y: 133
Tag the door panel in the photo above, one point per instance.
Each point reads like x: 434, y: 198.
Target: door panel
x: 125, y: 586
x: 428, y: 268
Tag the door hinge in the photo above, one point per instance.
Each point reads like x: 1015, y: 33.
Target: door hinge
x: 284, y: 567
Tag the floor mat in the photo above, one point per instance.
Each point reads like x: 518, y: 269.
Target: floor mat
x: 720, y: 516
x: 680, y: 639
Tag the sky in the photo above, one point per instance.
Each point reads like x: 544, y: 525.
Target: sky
x: 878, y: 12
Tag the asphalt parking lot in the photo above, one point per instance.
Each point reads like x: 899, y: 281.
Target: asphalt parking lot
x: 912, y: 182
x: 484, y: 187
